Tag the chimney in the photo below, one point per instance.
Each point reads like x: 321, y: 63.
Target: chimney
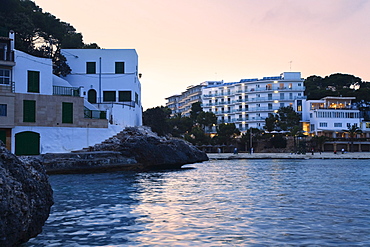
x: 12, y: 37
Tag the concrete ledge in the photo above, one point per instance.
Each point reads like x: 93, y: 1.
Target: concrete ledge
x: 230, y: 156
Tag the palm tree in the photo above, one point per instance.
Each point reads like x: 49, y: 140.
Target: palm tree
x: 352, y: 131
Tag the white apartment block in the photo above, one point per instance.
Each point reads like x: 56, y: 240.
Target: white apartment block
x: 248, y: 102
x: 181, y: 103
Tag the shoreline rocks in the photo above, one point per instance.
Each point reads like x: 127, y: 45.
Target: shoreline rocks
x: 25, y: 198
x: 133, y: 149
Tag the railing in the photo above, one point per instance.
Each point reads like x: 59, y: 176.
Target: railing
x: 94, y: 114
x: 66, y: 91
x: 8, y: 87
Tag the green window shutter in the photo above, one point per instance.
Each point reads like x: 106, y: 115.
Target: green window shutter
x: 67, y: 112
x: 3, y: 136
x: 33, y: 81
x: 124, y: 96
x: 136, y: 98
x: 90, y: 68
x: 29, y: 111
x: 120, y: 67
x: 109, y: 96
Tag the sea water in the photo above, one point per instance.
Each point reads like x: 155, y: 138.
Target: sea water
x: 215, y: 203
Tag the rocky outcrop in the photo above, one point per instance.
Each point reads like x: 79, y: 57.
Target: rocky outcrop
x: 87, y: 162
x: 25, y: 198
x: 152, y: 151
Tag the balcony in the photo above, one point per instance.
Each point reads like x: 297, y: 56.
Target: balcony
x: 7, y: 87
x: 6, y: 57
x: 66, y: 91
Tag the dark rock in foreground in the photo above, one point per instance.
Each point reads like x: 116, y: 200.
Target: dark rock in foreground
x: 25, y: 198
x: 152, y: 151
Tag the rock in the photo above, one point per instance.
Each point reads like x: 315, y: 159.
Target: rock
x: 25, y: 198
x: 87, y: 162
x: 152, y: 151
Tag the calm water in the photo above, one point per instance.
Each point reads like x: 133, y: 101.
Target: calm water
x: 219, y: 203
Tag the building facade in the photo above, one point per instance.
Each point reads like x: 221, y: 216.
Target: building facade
x: 181, y: 103
x: 109, y: 81
x: 41, y: 113
x: 248, y: 102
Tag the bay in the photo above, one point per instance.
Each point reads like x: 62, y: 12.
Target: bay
x: 215, y: 203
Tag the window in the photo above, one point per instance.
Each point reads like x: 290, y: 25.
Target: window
x: 120, y: 67
x: 67, y: 112
x: 269, y: 96
x: 281, y: 95
x: 4, y: 76
x: 90, y: 68
x: 348, y: 125
x: 269, y: 106
x: 281, y: 104
x: 124, y: 96
x: 311, y: 115
x: 312, y: 127
x: 337, y: 125
x: 323, y: 124
x: 3, y: 110
x: 367, y: 125
x: 136, y: 98
x: 29, y: 111
x: 33, y: 79
x: 109, y: 96
x: 91, y: 96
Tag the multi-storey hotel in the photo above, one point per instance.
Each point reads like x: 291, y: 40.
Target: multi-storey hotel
x: 248, y: 102
x: 181, y: 103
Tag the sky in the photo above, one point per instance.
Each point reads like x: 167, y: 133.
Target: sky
x: 186, y: 42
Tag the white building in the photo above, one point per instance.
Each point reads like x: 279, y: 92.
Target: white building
x: 330, y: 116
x: 181, y: 103
x: 109, y: 80
x: 248, y: 102
x: 41, y: 113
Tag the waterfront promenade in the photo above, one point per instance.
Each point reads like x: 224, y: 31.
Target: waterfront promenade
x: 325, y: 155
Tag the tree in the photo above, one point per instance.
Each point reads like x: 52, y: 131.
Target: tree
x: 39, y: 33
x: 226, y: 132
x: 206, y: 119
x: 352, y: 131
x: 180, y: 125
x: 157, y: 119
x: 285, y: 119
x: 197, y: 136
x: 196, y: 109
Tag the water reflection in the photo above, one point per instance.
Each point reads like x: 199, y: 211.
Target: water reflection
x: 250, y: 202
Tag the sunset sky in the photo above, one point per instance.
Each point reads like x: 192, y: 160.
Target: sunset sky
x: 185, y: 42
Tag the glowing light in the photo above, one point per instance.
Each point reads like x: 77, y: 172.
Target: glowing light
x: 276, y: 101
x: 276, y: 91
x: 275, y: 81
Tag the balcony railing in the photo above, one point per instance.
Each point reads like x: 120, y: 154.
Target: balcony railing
x: 94, y: 114
x: 66, y: 91
x: 7, y: 87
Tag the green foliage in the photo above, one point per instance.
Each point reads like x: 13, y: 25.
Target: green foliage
x: 197, y: 136
x: 285, y: 119
x: 39, y: 33
x: 157, y: 119
x: 337, y: 85
x: 180, y: 125
x: 206, y: 119
x: 196, y: 109
x: 226, y: 132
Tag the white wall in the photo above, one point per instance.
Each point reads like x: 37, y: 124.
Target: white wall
x: 25, y: 62
x: 62, y: 139
x: 106, y: 79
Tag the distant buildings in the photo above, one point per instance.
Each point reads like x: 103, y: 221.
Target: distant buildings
x: 181, y: 103
x: 40, y: 112
x: 248, y: 102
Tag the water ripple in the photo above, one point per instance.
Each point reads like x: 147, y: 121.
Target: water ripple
x: 220, y: 203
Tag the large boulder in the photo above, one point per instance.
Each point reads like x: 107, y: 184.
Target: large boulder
x: 25, y: 198
x: 152, y: 151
